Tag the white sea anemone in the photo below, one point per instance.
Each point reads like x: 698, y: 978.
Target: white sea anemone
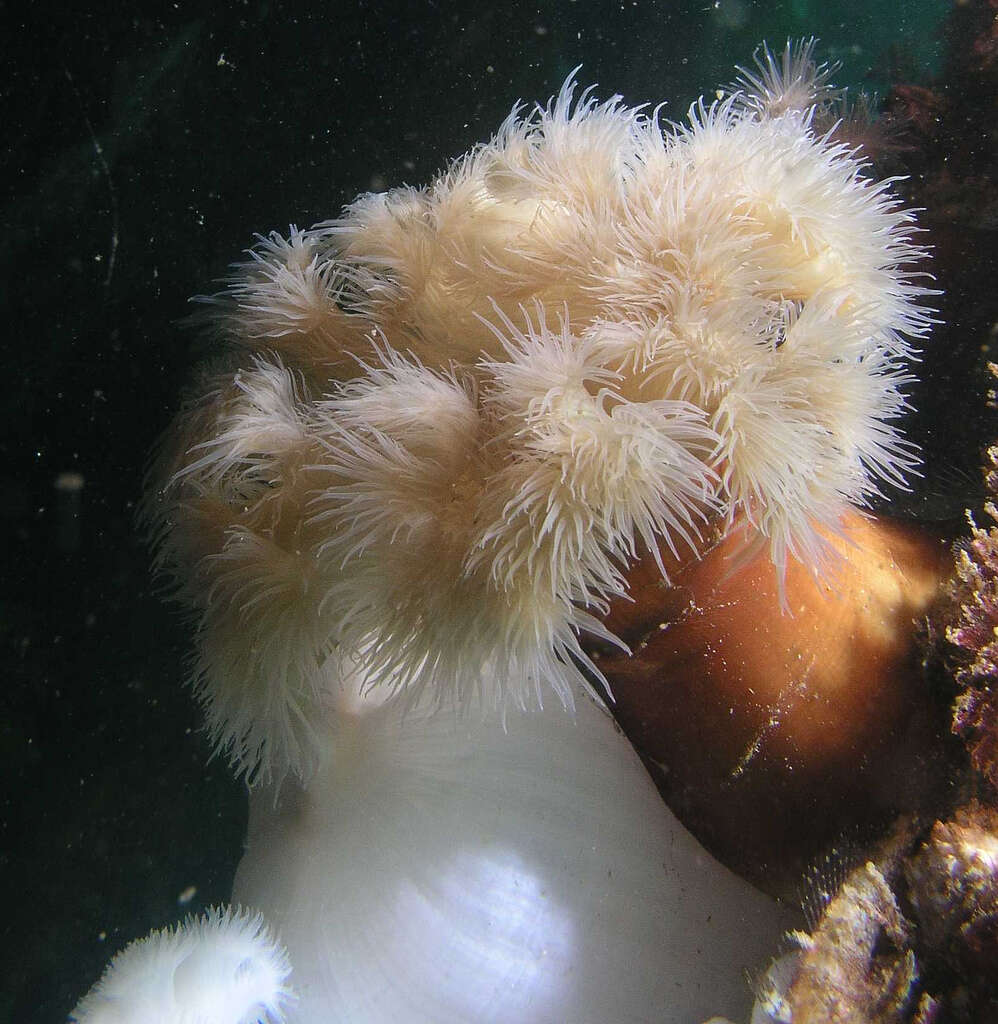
x: 443, y: 868
x: 792, y: 81
x: 232, y: 539
x: 224, y: 967
x: 286, y: 296
x: 591, y: 475
x: 583, y: 339
x: 441, y: 430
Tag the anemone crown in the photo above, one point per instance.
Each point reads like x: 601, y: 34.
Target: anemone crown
x: 447, y: 421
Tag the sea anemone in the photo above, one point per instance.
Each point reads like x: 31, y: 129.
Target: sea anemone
x: 770, y: 734
x: 225, y: 967
x: 440, y: 434
x: 440, y: 867
x: 447, y: 422
x: 794, y: 80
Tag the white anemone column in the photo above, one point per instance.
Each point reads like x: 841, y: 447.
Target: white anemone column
x: 441, y: 868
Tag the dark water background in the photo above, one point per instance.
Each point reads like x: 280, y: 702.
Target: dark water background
x: 141, y: 150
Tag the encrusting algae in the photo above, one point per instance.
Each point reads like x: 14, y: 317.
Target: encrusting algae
x: 974, y: 635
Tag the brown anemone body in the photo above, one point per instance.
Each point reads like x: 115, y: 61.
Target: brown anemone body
x: 771, y: 734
